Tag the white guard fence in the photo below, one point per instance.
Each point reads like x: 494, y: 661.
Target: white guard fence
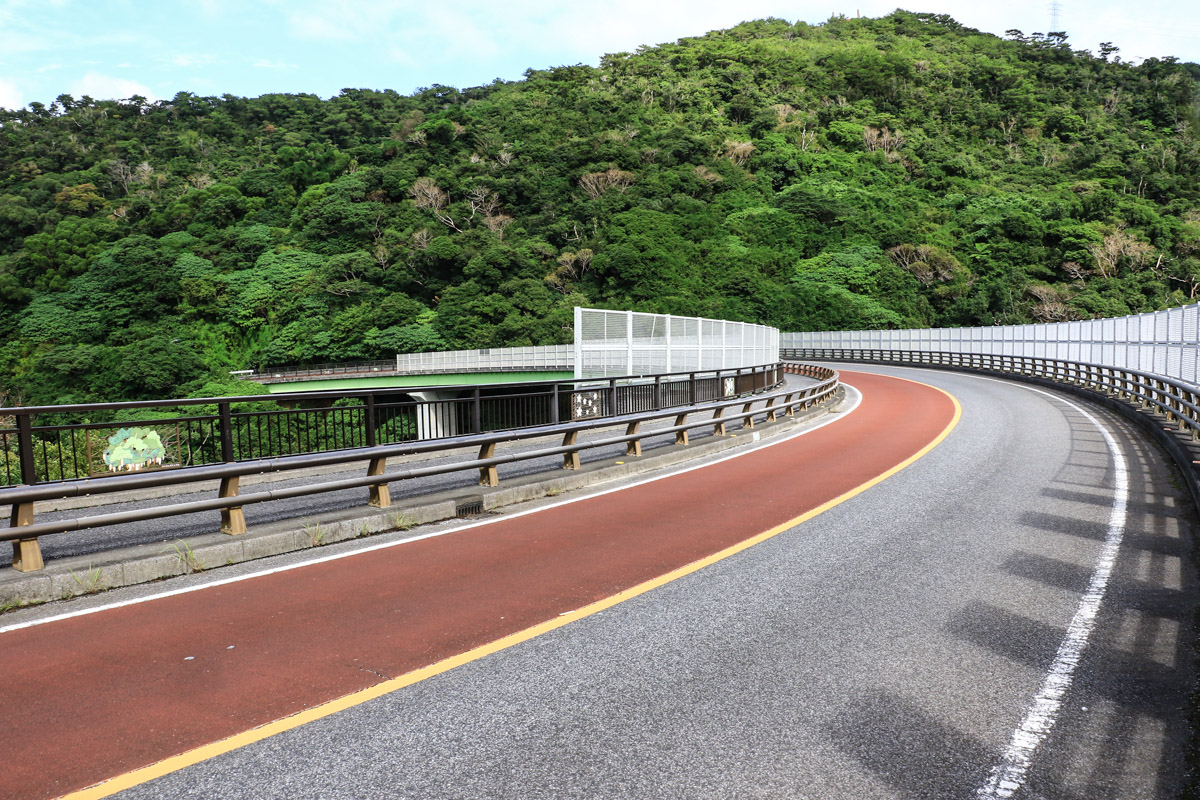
x: 556, y: 358
x: 615, y: 343
x: 1162, y: 342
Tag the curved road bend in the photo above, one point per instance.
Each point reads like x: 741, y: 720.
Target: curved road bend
x: 892, y: 646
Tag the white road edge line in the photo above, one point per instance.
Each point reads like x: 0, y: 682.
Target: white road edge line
x: 853, y: 396
x: 1009, y: 774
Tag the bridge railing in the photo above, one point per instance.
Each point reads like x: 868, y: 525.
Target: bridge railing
x: 1159, y: 342
x: 42, y: 444
x: 152, y: 443
x: 558, y: 358
x: 1176, y: 401
x: 635, y: 342
x: 317, y: 371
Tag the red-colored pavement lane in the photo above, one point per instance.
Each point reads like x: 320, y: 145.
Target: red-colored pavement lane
x: 96, y: 696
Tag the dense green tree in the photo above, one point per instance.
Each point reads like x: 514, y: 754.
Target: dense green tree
x: 905, y: 170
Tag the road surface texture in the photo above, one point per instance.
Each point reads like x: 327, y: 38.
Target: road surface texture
x: 1009, y: 615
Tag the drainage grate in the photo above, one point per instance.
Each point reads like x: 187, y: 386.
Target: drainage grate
x: 469, y: 508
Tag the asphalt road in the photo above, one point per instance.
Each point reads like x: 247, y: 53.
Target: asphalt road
x: 890, y: 647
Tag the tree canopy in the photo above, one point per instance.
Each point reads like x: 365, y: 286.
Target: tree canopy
x: 902, y: 171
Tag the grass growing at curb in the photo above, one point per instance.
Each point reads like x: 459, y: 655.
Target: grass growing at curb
x: 187, y: 556
x: 316, y: 534
x: 403, y: 522
x: 91, y: 582
x: 11, y: 605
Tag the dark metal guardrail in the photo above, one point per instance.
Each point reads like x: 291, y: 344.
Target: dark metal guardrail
x: 1176, y: 401
x: 283, y: 374
x: 43, y: 444
x: 367, y: 427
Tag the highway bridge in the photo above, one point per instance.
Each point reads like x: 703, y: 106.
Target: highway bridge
x: 953, y: 585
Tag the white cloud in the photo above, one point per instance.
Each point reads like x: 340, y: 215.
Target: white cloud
x: 314, y: 26
x: 106, y: 87
x: 214, y: 9
x: 346, y: 19
x: 184, y: 60
x: 10, y: 95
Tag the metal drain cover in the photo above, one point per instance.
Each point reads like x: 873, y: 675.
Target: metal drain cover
x: 468, y: 507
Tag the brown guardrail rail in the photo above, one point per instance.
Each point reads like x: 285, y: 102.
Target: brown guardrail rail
x: 369, y: 426
x: 1176, y: 401
x: 1147, y: 398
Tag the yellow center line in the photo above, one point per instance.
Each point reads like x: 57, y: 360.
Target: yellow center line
x: 205, y: 752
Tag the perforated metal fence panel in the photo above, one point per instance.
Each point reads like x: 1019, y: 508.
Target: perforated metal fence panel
x: 617, y: 343
x: 1162, y: 342
x: 496, y: 359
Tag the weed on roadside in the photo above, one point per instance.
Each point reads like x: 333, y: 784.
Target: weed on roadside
x: 402, y: 521
x: 92, y: 581
x: 316, y: 534
x: 186, y: 556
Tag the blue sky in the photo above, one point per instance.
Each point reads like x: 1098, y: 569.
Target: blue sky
x: 118, y: 48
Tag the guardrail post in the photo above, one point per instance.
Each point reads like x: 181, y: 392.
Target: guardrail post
x: 748, y: 420
x: 27, y: 553
x: 612, y: 397
x: 681, y: 437
x: 691, y: 390
x: 771, y: 410
x: 633, y: 447
x: 233, y: 520
x: 488, y: 476
x: 658, y: 403
x: 554, y: 405
x: 718, y: 428
x: 381, y: 496
x: 571, y: 458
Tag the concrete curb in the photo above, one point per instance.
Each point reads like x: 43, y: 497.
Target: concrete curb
x: 73, y: 576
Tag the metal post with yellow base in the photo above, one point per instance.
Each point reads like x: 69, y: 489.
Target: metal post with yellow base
x: 27, y: 553
x: 633, y: 447
x: 233, y: 521
x: 488, y: 476
x: 380, y: 497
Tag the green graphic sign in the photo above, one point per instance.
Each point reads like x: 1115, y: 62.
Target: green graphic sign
x: 134, y: 449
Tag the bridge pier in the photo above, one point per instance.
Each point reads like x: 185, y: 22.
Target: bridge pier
x: 437, y: 416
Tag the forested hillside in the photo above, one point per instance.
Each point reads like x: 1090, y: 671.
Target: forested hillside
x: 903, y: 171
